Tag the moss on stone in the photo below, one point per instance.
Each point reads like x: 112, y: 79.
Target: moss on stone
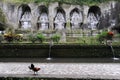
x: 2, y: 17
x: 79, y: 2
x: 2, y: 21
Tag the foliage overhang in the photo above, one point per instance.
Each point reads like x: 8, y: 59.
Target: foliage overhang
x: 78, y: 2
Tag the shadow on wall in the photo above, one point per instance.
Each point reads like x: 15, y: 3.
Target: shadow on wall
x: 94, y: 16
x: 24, y: 14
x: 76, y: 18
x: 43, y: 21
x: 60, y: 19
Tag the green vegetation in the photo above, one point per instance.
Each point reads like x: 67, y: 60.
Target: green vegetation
x: 36, y: 37
x: 87, y: 2
x: 2, y: 17
x: 2, y: 20
x: 40, y: 37
x: 76, y: 37
x: 104, y: 36
x: 10, y: 37
x: 56, y: 38
x: 19, y: 1
x: 32, y: 38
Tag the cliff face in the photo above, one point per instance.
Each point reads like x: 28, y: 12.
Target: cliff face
x: 107, y: 14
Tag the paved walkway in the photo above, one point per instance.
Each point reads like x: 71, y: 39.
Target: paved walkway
x: 62, y: 70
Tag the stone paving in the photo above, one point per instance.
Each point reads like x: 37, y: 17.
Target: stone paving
x: 62, y: 70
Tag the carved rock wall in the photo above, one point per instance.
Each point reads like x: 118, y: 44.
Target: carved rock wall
x: 11, y: 12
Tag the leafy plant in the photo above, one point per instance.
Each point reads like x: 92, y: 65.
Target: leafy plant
x: 32, y: 37
x: 104, y: 36
x: 40, y: 37
x: 9, y: 37
x: 18, y: 37
x: 110, y: 35
x: 88, y: 2
x: 56, y: 38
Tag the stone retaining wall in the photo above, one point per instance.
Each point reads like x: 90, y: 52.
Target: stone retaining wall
x: 57, y: 51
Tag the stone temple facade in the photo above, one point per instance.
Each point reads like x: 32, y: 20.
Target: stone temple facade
x: 55, y: 16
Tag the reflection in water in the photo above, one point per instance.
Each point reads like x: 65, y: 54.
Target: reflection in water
x: 43, y: 21
x: 59, y: 21
x: 75, y: 20
x: 92, y: 21
x: 26, y: 20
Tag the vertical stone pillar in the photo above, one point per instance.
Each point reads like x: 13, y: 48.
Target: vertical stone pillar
x: 52, y: 13
x: 34, y: 16
x: 85, y: 13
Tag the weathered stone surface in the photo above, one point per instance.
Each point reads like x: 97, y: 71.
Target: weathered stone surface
x: 11, y: 12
